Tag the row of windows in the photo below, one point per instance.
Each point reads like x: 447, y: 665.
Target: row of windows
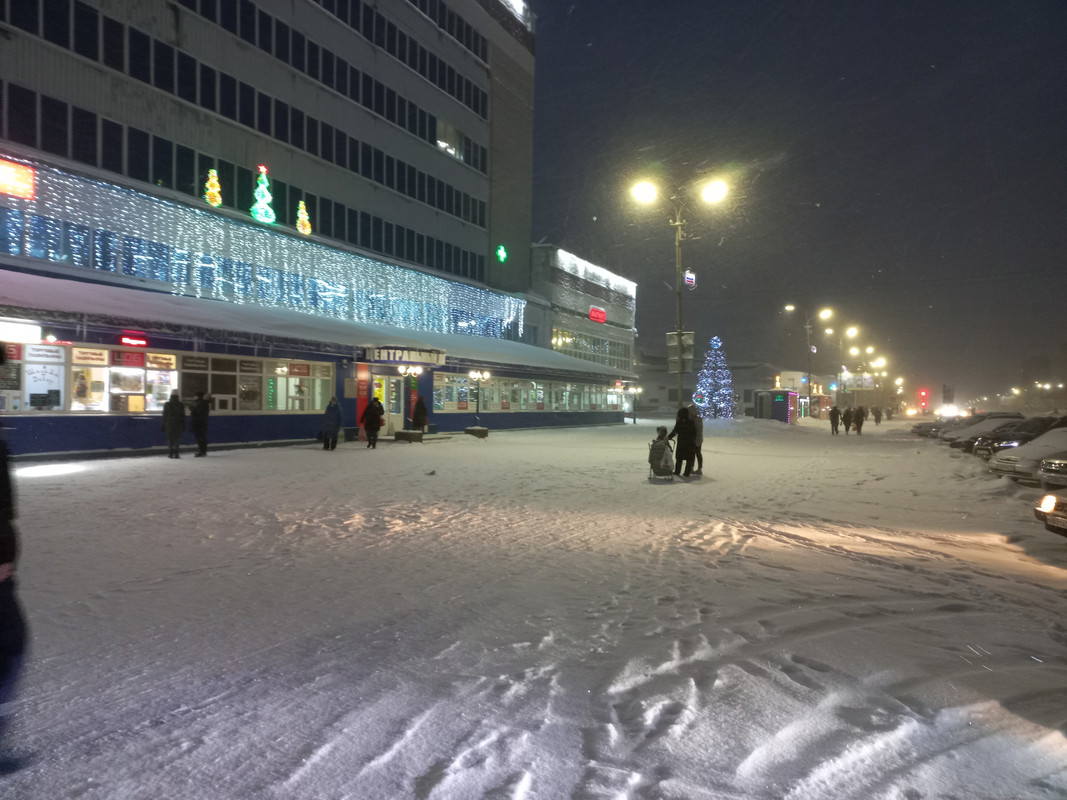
x: 84, y: 379
x: 77, y: 133
x: 242, y: 18
x: 448, y: 21
x: 38, y: 236
x: 457, y: 393
x: 593, y: 348
x: 159, y: 64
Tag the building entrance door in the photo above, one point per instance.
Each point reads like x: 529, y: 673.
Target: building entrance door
x: 394, y: 406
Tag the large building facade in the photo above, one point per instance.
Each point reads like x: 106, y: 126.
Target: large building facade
x: 274, y: 202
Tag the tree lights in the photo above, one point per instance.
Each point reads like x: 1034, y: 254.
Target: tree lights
x: 715, y: 384
x: 261, y: 210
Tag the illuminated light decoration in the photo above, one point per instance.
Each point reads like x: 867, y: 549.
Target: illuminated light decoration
x: 212, y: 189
x: 715, y: 384
x: 598, y: 314
x: 303, y: 221
x: 501, y: 253
x: 201, y: 253
x: 261, y: 210
x: 17, y: 180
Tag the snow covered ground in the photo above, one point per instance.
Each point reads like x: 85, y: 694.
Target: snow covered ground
x: 527, y: 616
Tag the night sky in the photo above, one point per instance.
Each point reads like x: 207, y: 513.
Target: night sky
x: 900, y: 162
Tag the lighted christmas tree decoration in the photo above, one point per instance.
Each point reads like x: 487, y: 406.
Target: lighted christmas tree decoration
x: 261, y: 211
x: 212, y: 189
x: 714, y: 395
x: 303, y: 221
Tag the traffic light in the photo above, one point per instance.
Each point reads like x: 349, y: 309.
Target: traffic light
x: 923, y: 394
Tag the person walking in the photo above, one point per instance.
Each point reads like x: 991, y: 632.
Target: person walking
x: 174, y: 424
x: 698, y: 439
x: 858, y: 419
x: 835, y: 419
x: 332, y: 420
x: 877, y: 415
x: 198, y: 415
x: 372, y: 421
x: 12, y: 622
x: 686, y: 432
x: 419, y: 414
x: 846, y: 418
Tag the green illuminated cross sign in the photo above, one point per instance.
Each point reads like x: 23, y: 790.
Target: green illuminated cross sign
x: 501, y: 253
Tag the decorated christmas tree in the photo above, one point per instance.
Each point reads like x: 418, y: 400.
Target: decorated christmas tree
x: 714, y: 394
x: 212, y: 189
x: 303, y: 221
x: 261, y: 211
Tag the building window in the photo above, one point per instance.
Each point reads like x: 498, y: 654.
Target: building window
x: 83, y: 139
x: 114, y: 44
x: 54, y: 127
x: 140, y: 55
x: 86, y: 31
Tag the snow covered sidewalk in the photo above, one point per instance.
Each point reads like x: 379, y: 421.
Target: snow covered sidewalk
x: 527, y: 616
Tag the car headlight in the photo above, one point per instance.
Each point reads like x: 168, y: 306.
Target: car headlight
x: 1010, y: 444
x: 1047, y: 504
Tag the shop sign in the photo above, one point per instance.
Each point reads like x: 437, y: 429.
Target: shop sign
x: 12, y: 352
x: 541, y: 406
x: 10, y: 377
x: 299, y: 369
x: 250, y: 367
x: 121, y: 358
x: 598, y: 314
x: 461, y: 405
x: 162, y: 361
x: 42, y: 352
x: 505, y: 405
x: 86, y: 355
x: 352, y: 387
x: 194, y: 362
x: 322, y: 370
x: 17, y: 180
x: 133, y: 339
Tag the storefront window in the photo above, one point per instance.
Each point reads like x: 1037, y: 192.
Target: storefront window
x: 160, y: 380
x: 44, y: 373
x: 250, y: 386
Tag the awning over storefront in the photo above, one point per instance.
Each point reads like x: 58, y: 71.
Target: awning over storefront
x: 20, y: 290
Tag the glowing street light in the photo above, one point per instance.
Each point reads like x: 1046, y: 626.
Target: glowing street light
x: 479, y: 377
x: 647, y: 193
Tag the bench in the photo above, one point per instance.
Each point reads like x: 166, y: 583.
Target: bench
x: 407, y: 436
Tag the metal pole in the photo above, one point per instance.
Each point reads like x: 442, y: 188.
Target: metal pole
x: 478, y: 405
x: 807, y: 339
x: 678, y: 223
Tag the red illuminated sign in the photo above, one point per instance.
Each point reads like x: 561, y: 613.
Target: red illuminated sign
x: 133, y: 339
x: 17, y: 180
x: 598, y: 314
x: 120, y: 358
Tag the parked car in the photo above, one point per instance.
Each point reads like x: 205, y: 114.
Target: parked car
x: 1052, y: 510
x: 968, y: 433
x: 1052, y: 472
x: 931, y: 427
x: 987, y: 445
x: 1020, y: 463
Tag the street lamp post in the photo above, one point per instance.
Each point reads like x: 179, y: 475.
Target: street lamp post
x: 479, y: 376
x: 826, y: 313
x: 713, y: 192
x: 633, y: 391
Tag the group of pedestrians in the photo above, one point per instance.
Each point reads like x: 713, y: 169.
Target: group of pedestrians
x: 174, y: 423
x: 852, y: 419
x: 372, y: 419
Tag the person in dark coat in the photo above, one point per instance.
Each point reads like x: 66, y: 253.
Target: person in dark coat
x: 835, y: 419
x: 174, y: 424
x: 858, y: 419
x: 877, y: 415
x: 686, y: 432
x: 12, y: 622
x: 419, y: 414
x: 372, y: 421
x: 198, y: 415
x: 846, y: 418
x: 331, y: 424
x: 698, y: 436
